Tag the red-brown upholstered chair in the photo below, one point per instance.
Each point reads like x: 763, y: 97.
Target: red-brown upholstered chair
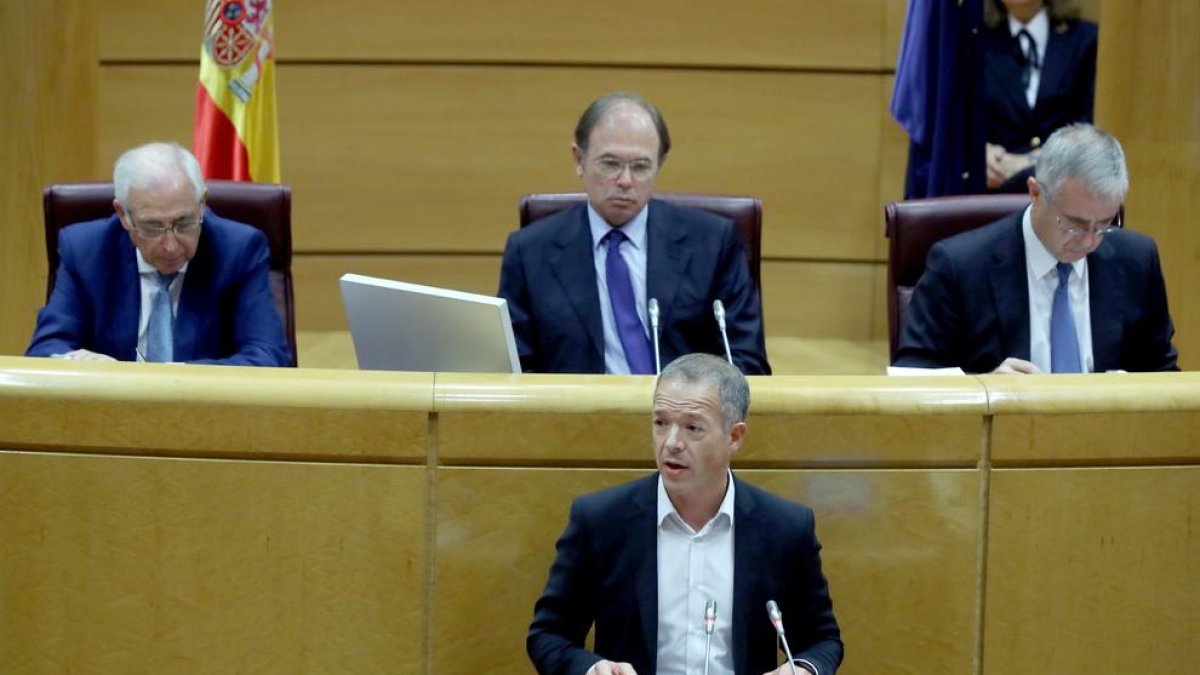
x: 267, y: 206
x: 745, y: 212
x: 914, y: 226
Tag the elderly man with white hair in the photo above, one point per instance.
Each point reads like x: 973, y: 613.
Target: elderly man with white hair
x: 163, y: 279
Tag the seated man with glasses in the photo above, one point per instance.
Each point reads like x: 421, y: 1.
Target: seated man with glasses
x: 163, y: 279
x: 1056, y: 287
x: 579, y: 283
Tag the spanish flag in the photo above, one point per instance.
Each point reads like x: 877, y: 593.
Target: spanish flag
x: 235, y: 135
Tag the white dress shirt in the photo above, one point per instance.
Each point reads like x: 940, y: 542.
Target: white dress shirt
x: 1039, y: 30
x: 1042, y: 277
x: 149, y: 286
x: 693, y: 568
x: 634, y: 253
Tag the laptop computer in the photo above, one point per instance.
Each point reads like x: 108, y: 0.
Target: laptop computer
x: 401, y: 326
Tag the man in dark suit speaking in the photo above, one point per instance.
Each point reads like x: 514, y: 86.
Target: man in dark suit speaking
x: 1057, y: 287
x: 642, y: 560
x: 164, y: 278
x: 578, y: 283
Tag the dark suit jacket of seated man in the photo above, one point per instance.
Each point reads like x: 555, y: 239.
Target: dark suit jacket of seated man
x: 694, y: 257
x: 971, y: 307
x: 552, y: 276
x: 226, y: 312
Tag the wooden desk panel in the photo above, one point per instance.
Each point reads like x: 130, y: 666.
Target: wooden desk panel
x: 495, y: 542
x: 1132, y: 418
x: 900, y: 550
x: 213, y: 411
x: 1093, y: 570
x: 130, y: 565
x: 898, y: 544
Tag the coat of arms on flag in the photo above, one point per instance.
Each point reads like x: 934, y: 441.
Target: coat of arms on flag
x: 235, y: 134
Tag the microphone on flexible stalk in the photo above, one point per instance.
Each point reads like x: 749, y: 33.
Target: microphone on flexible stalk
x: 652, y: 309
x: 719, y: 313
x: 710, y: 622
x: 776, y: 617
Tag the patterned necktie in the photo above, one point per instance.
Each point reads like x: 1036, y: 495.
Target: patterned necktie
x: 624, y: 307
x: 160, y: 332
x: 1064, y: 343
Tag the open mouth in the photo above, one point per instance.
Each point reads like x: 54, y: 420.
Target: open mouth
x: 672, y: 466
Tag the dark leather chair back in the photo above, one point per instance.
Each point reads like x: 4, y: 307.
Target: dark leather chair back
x: 914, y: 226
x: 267, y: 206
x: 745, y: 212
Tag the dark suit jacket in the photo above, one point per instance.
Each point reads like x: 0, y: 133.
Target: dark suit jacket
x: 226, y: 313
x: 1066, y: 91
x: 606, y: 573
x: 548, y: 277
x: 971, y: 306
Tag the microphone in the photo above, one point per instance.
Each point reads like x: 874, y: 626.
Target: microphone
x: 719, y: 313
x: 776, y: 617
x: 710, y: 622
x: 652, y: 309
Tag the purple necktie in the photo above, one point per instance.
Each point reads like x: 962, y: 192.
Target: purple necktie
x: 624, y: 307
x: 1064, y: 343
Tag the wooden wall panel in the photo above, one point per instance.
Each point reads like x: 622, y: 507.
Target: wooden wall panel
x: 1148, y: 95
x: 129, y: 565
x: 810, y: 299
x: 48, y: 76
x: 497, y: 529
x: 777, y: 33
x: 434, y: 158
x: 1093, y: 570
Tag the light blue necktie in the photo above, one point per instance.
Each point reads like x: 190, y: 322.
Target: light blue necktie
x: 1064, y: 343
x: 160, y: 332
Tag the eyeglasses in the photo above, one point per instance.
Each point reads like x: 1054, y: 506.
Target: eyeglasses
x: 611, y: 167
x: 1074, y: 227
x: 183, y: 227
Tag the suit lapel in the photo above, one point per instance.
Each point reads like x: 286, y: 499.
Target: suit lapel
x: 747, y: 548
x: 1010, y: 290
x: 1106, y: 289
x: 667, y: 258
x: 643, y: 545
x: 572, y: 262
x: 127, y: 301
x: 197, y: 302
x: 1056, y: 63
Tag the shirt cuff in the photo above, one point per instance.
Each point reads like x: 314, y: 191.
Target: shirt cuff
x: 808, y: 665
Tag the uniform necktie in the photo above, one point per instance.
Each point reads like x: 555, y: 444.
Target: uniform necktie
x: 1030, y: 52
x: 1064, y: 342
x: 624, y: 307
x: 160, y: 333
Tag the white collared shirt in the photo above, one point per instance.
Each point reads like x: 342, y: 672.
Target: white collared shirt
x: 1039, y: 30
x: 693, y: 568
x: 1042, y: 277
x: 148, y: 277
x: 634, y: 253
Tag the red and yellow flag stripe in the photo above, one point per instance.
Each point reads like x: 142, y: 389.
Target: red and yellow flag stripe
x: 236, y: 135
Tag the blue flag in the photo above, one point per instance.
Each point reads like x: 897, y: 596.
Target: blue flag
x: 938, y: 97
